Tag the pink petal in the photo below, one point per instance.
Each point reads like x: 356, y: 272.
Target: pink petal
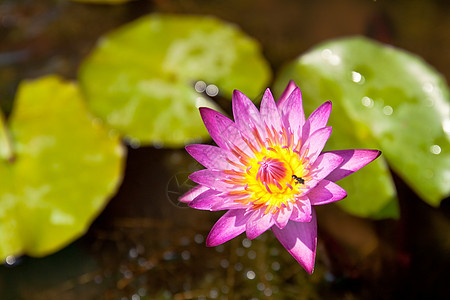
x: 230, y: 225
x: 353, y: 160
x: 210, y: 117
x: 206, y: 200
x: 301, y: 210
x: 209, y: 156
x: 222, y: 130
x: 300, y: 239
x: 281, y: 218
x: 193, y: 193
x: 318, y: 119
x: 269, y: 112
x: 258, y: 223
x: 322, y: 167
x: 211, y: 178
x: 315, y: 143
x: 292, y: 113
x: 246, y: 115
x: 287, y: 91
x: 326, y: 192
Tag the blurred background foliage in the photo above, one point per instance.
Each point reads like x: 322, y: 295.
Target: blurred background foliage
x: 142, y: 78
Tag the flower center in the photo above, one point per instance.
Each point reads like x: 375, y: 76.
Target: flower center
x: 275, y: 175
x: 270, y: 172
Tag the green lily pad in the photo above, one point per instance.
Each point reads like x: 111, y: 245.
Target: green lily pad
x: 383, y: 98
x: 58, y: 168
x: 140, y: 78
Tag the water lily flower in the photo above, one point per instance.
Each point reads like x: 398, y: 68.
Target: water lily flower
x: 268, y: 170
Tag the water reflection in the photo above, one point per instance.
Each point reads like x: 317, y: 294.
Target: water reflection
x: 251, y: 275
x: 212, y: 90
x: 446, y: 126
x: 10, y: 260
x: 388, y: 110
x: 332, y: 58
x: 435, y: 149
x: 367, y: 102
x: 200, y: 86
x: 428, y: 87
x: 357, y: 77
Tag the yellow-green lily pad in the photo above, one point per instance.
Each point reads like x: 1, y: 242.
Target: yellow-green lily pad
x: 58, y: 168
x: 384, y: 98
x: 140, y: 78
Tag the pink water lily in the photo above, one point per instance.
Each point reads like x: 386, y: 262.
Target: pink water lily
x: 269, y: 171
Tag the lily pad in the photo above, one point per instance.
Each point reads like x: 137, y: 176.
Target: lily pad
x: 58, y: 169
x: 385, y: 98
x: 140, y: 78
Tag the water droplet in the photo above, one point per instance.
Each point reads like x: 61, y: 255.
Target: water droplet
x: 142, y: 292
x: 326, y: 53
x: 133, y: 253
x: 238, y: 267
x: 251, y: 254
x: 135, y: 297
x: 269, y: 276
x: 388, y: 110
x: 213, y: 294
x: 367, y: 102
x: 128, y: 274
x: 332, y: 58
x: 185, y: 255
x: 435, y: 149
x: 134, y: 143
x: 251, y: 275
x: 98, y: 279
x: 240, y: 251
x: 268, y: 292
x: 212, y: 90
x: 199, y: 238
x: 428, y: 87
x: 224, y: 263
x: 335, y: 60
x: 276, y: 266
x: 446, y: 126
x: 220, y: 248
x: 357, y: 77
x: 200, y: 86
x: 169, y: 255
x: 246, y: 243
x: 261, y: 286
x: 158, y: 144
x: 225, y: 289
x: 10, y: 260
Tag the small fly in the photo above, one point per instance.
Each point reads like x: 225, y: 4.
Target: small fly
x: 298, y: 180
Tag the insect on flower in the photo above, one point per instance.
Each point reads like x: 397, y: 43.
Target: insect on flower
x: 268, y: 171
x: 298, y: 180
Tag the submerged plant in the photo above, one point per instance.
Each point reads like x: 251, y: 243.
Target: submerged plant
x: 269, y: 171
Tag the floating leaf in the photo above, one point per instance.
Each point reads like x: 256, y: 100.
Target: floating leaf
x: 58, y: 171
x: 383, y: 97
x: 140, y: 78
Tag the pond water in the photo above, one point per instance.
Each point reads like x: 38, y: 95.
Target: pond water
x: 147, y: 245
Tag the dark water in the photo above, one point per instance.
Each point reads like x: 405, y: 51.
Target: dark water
x: 145, y: 245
